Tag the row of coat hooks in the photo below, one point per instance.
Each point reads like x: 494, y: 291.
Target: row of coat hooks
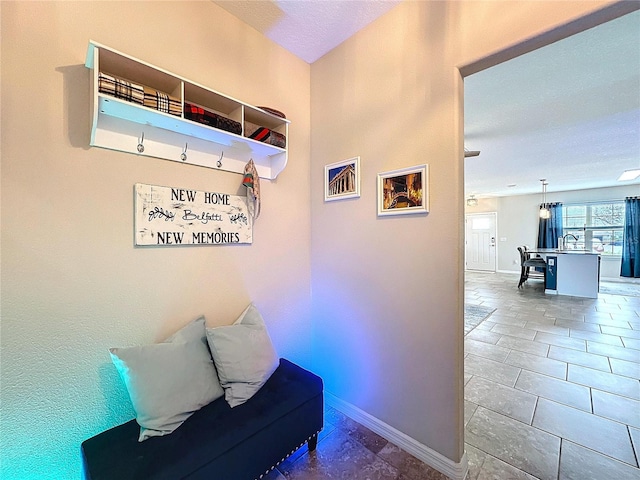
x: 183, y: 155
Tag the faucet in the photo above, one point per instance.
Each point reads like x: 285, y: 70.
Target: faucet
x: 564, y: 239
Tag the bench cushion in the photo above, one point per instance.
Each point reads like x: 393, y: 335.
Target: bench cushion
x: 217, y: 441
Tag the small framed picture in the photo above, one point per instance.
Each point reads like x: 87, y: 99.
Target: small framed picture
x: 342, y: 180
x: 405, y: 191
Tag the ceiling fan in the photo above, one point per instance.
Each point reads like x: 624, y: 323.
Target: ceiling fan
x: 471, y: 153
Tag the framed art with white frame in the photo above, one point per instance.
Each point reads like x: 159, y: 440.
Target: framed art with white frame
x: 404, y: 191
x: 342, y: 180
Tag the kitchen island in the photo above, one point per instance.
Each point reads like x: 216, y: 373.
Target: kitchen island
x: 571, y: 272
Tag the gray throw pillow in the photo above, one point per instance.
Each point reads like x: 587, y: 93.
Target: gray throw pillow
x: 168, y: 381
x: 244, y: 356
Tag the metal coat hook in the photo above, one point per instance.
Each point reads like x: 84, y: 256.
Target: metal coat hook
x: 219, y: 162
x: 140, y: 144
x: 183, y: 155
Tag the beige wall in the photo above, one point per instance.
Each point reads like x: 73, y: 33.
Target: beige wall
x: 387, y: 292
x: 73, y: 284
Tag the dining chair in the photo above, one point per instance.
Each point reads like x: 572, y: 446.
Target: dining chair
x: 527, y: 263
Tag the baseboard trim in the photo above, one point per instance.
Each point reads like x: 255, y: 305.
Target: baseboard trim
x: 453, y: 470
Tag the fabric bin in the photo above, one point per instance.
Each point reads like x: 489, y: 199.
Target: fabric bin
x: 264, y: 134
x: 206, y: 117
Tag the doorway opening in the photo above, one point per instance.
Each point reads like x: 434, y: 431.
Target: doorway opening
x: 518, y: 339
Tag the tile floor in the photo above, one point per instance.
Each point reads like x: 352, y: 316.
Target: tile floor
x: 348, y: 451
x: 552, y: 391
x: 552, y: 384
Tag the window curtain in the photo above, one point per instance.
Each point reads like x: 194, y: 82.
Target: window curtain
x: 630, y: 266
x: 550, y: 229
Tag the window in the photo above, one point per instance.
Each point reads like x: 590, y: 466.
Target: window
x: 480, y: 223
x: 598, y: 226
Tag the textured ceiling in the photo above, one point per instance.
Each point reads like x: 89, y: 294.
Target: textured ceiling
x: 568, y: 112
x: 308, y: 28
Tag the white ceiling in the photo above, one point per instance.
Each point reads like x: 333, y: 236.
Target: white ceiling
x: 568, y: 112
x: 308, y: 28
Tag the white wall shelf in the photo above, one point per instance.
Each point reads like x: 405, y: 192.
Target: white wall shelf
x: 121, y: 125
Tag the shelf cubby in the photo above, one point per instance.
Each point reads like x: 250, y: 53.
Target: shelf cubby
x: 121, y: 125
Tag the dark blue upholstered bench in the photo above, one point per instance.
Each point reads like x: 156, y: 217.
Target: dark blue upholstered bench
x: 218, y: 442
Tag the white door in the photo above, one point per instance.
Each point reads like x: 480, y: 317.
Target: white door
x: 480, y: 240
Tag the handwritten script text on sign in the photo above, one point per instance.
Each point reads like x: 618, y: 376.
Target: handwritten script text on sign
x: 177, y: 216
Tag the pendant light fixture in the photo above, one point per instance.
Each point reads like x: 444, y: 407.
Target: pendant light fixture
x: 472, y: 201
x: 544, y: 209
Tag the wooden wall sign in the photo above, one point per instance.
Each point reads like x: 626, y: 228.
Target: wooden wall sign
x: 171, y: 216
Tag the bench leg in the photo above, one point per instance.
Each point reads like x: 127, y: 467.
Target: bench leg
x: 312, y: 443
